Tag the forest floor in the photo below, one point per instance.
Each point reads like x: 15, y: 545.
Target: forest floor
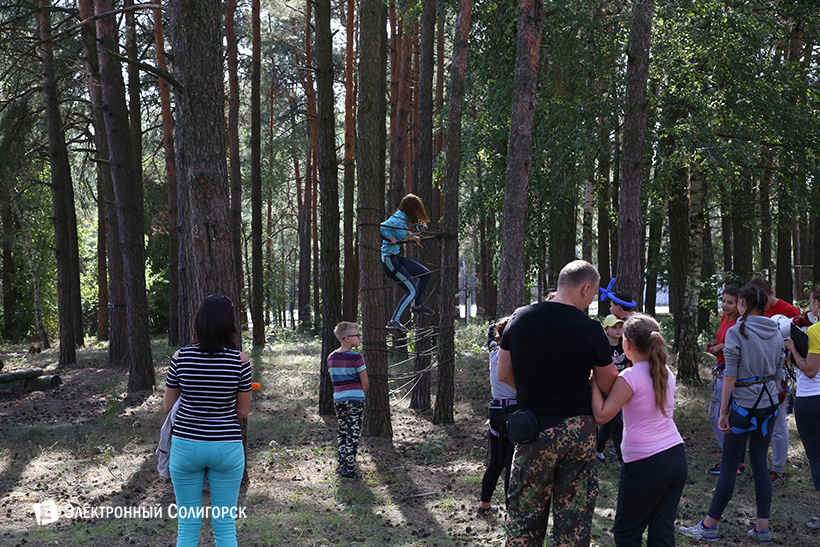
x: 90, y: 450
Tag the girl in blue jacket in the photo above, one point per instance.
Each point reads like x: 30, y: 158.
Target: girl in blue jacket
x: 411, y: 276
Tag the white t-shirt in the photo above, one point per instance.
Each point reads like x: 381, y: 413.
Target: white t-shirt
x: 809, y: 387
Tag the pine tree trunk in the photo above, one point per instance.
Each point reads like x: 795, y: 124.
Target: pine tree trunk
x: 171, y: 176
x: 678, y: 249
x: 303, y: 218
x: 234, y: 162
x: 445, y: 396
x: 257, y: 279
x: 89, y: 39
x: 630, y: 223
x: 604, y: 199
x: 370, y: 163
x: 588, y: 236
x: 350, y: 294
x: 425, y: 337
x: 115, y: 303
x: 399, y: 137
x: 764, y: 199
x: 128, y: 204
x: 206, y: 247
x: 519, y: 155
x: 726, y: 224
x: 742, y: 219
x: 62, y: 191
x: 328, y: 175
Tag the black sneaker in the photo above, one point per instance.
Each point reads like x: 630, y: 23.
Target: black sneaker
x: 714, y: 470
x: 426, y: 310
x: 491, y: 510
x: 395, y: 325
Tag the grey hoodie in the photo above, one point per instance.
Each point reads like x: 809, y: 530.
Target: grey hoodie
x: 759, y: 355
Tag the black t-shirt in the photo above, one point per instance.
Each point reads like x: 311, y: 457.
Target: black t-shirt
x: 619, y: 357
x: 553, y: 348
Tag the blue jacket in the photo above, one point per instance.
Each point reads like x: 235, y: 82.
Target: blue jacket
x: 395, y: 226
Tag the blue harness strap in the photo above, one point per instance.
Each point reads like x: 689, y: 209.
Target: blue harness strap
x: 747, y: 414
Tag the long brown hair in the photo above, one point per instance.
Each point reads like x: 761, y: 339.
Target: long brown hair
x: 756, y: 299
x: 644, y: 333
x: 412, y: 206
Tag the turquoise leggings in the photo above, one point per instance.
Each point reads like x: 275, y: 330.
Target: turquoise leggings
x: 224, y: 464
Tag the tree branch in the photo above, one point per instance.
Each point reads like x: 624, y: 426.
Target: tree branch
x: 155, y: 70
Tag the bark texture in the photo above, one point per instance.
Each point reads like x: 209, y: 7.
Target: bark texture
x: 128, y: 203
x: 630, y: 223
x: 370, y: 162
x: 519, y: 155
x: 443, y: 412
x: 331, y: 308
x: 206, y: 260
x: 62, y: 194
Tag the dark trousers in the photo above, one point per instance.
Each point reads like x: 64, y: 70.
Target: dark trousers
x: 500, y: 453
x: 648, y: 496
x: 411, y: 276
x: 734, y: 444
x: 807, y: 415
x: 613, y: 428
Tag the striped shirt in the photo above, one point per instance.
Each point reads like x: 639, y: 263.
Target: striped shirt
x: 208, y: 386
x: 344, y: 369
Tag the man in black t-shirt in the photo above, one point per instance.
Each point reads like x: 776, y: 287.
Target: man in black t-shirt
x: 547, y: 353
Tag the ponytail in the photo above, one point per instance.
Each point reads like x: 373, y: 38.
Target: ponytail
x: 644, y: 334
x: 756, y: 299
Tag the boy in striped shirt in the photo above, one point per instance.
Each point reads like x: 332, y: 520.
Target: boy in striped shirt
x: 349, y: 375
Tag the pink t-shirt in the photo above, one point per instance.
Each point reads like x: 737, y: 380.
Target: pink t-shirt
x: 646, y: 430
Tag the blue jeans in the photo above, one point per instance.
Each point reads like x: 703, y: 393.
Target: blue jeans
x: 224, y: 464
x: 648, y: 495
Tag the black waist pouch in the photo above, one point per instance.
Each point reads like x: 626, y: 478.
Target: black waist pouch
x: 522, y: 426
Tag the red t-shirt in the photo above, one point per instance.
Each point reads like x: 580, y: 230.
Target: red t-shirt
x: 720, y: 337
x: 782, y: 308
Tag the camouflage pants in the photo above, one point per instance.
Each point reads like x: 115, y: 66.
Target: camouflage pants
x: 349, y: 415
x: 556, y: 469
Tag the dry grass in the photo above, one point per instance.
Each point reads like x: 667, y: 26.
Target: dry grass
x: 83, y: 444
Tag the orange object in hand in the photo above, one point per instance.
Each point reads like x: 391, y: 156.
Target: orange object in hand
x: 255, y: 386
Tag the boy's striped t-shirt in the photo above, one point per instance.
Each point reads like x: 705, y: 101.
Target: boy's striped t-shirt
x: 344, y: 369
x: 208, y: 386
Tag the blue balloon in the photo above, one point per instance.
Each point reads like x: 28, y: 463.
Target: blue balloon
x: 609, y: 294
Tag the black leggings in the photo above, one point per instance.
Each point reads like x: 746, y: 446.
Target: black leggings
x: 807, y: 415
x: 500, y: 455
x: 733, y: 447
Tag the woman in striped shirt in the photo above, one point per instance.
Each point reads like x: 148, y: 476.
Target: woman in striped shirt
x: 213, y: 379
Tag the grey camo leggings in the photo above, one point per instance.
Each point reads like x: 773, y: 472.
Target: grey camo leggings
x: 349, y: 415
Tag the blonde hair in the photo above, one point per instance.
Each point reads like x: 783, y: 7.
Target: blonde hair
x: 343, y: 329
x: 644, y: 333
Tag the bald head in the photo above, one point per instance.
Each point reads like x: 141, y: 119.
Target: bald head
x: 576, y: 274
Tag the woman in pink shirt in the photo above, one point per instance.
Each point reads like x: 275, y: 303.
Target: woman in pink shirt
x: 654, y: 470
